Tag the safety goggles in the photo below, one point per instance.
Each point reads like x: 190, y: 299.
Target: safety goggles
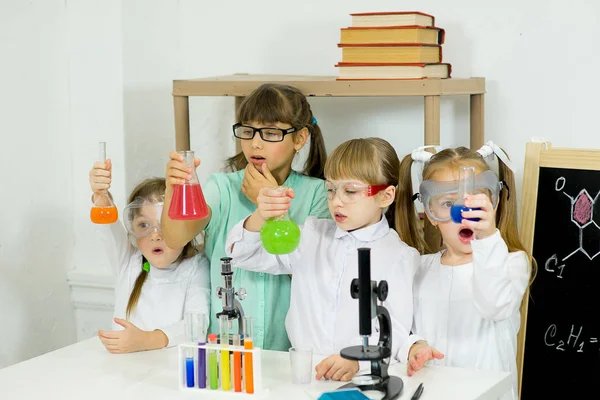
x: 350, y: 192
x: 439, y: 197
x: 142, y: 217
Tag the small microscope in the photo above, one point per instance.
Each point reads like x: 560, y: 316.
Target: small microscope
x: 231, y: 306
x: 368, y: 292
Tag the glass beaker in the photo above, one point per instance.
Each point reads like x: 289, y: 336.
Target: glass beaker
x: 188, y: 200
x: 103, y: 211
x: 280, y: 235
x: 466, y: 186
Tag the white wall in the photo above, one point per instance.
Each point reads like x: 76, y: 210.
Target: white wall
x: 97, y: 69
x: 534, y: 56
x: 36, y: 218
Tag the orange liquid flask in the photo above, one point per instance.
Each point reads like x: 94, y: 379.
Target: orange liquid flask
x: 103, y: 211
x: 188, y: 200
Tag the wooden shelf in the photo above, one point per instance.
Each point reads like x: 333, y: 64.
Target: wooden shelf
x: 431, y: 90
x: 240, y: 85
x: 327, y: 86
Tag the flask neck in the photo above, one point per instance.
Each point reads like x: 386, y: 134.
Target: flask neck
x: 188, y: 159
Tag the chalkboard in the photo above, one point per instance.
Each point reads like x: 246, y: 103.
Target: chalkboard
x: 561, y: 355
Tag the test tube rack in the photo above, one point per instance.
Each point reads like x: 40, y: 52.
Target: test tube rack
x: 185, y: 349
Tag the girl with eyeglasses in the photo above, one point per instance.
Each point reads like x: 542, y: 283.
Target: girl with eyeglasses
x: 274, y: 123
x: 362, y: 176
x: 155, y: 284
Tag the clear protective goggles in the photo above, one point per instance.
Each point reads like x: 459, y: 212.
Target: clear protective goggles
x: 142, y: 217
x: 350, y: 192
x: 439, y: 197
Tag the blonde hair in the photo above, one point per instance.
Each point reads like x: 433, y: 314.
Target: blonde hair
x: 272, y: 102
x: 371, y: 160
x: 152, y: 189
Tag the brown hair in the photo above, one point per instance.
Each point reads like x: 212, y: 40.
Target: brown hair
x: 152, y: 189
x: 371, y: 160
x: 286, y: 104
x: 506, y: 213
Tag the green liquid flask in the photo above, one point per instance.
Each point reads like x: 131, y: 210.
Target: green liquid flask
x: 280, y: 235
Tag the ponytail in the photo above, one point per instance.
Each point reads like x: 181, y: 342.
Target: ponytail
x: 317, y: 155
x: 506, y: 215
x: 137, y: 290
x: 406, y: 223
x: 236, y: 163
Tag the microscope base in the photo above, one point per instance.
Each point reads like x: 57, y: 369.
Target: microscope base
x: 392, y: 387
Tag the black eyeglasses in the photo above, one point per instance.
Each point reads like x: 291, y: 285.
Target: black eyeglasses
x: 245, y: 132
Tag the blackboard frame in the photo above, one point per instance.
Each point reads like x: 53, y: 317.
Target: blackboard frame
x: 540, y: 155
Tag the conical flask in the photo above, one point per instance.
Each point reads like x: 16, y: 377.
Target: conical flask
x: 103, y: 211
x: 188, y: 200
x: 466, y: 187
x: 280, y: 235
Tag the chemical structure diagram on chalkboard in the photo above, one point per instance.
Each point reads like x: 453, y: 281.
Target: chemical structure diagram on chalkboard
x: 582, y: 211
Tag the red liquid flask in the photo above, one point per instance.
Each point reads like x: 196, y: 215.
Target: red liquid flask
x: 188, y: 200
x: 103, y: 211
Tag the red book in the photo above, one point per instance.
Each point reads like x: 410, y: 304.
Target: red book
x: 392, y: 71
x: 392, y: 34
x: 392, y: 18
x: 391, y: 53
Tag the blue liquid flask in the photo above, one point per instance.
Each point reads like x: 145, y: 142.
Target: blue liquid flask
x: 466, y: 185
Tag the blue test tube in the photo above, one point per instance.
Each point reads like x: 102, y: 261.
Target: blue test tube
x: 190, y: 337
x: 195, y: 333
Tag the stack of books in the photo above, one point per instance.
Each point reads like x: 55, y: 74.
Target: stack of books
x: 392, y: 45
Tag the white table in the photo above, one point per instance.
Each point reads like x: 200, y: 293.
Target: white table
x: 85, y: 370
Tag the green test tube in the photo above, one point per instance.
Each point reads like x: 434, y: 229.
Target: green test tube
x: 213, y: 366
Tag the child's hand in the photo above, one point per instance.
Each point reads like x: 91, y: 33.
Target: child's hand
x: 256, y: 179
x: 177, y: 170
x: 274, y: 202
x: 419, y: 354
x: 336, y: 368
x: 100, y: 177
x: 126, y: 341
x: 486, y: 226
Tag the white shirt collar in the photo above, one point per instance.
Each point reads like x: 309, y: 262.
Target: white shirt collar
x: 368, y: 234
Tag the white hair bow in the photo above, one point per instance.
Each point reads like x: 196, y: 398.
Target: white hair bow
x: 420, y: 157
x: 490, y: 149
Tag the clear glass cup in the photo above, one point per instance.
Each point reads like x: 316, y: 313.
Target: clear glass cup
x: 302, y: 369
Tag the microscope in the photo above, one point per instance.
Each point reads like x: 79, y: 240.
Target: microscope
x: 368, y: 292
x: 231, y: 306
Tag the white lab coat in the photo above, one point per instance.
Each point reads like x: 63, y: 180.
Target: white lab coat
x: 323, y: 315
x: 167, y: 292
x: 471, y: 312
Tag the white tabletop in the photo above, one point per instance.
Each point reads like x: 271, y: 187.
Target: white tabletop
x: 85, y: 370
